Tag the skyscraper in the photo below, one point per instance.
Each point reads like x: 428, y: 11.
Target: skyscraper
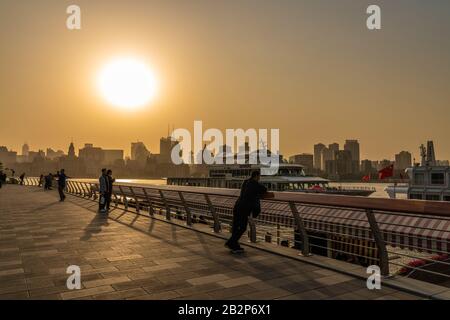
x: 165, y: 149
x: 334, y: 147
x: 71, y: 152
x: 139, y: 151
x: 353, y: 147
x: 403, y: 160
x: 304, y: 159
x: 25, y: 150
x: 318, y: 148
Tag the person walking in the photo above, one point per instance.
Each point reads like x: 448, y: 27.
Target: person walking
x: 41, y: 180
x: 48, y: 182
x: 22, y: 179
x: 103, y: 189
x: 62, y: 181
x: 247, y: 203
x: 109, y: 191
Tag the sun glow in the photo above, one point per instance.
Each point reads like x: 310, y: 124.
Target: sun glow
x: 127, y: 83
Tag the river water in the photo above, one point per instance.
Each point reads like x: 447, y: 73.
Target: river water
x: 379, y: 187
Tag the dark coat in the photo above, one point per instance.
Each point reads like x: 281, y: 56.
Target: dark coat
x: 249, y: 199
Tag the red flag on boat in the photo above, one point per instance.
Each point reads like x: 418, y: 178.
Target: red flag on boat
x: 366, y: 178
x: 386, y: 172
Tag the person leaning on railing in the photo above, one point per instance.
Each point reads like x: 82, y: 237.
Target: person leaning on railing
x: 247, y: 203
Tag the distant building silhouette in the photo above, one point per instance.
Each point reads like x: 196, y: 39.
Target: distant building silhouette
x: 25, y: 150
x: 353, y: 147
x: 318, y: 148
x: 304, y: 159
x: 403, y: 160
x: 71, y: 152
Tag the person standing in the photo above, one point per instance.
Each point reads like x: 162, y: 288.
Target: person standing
x: 247, y: 203
x: 62, y: 181
x: 109, y: 191
x: 2, y: 178
x: 103, y: 189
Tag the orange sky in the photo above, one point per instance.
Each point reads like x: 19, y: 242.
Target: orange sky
x: 309, y: 68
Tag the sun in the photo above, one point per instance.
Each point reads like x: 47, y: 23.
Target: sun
x: 127, y: 83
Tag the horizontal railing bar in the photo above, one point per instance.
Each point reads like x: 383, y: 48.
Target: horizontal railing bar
x: 436, y: 208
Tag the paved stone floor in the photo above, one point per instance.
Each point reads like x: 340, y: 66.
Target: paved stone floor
x: 134, y: 257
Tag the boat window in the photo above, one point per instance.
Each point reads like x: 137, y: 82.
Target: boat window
x: 437, y: 178
x: 419, y: 178
x: 416, y: 196
x: 446, y: 198
x: 433, y: 197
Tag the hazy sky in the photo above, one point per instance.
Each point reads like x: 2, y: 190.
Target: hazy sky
x: 308, y: 67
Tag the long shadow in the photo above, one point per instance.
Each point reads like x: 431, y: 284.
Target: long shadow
x: 98, y: 221
x: 95, y: 226
x: 43, y: 207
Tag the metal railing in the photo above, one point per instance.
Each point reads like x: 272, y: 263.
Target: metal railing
x: 393, y: 234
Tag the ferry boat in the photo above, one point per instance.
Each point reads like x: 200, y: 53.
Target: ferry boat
x: 427, y: 180
x: 290, y: 177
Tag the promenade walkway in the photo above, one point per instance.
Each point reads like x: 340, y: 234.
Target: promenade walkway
x: 127, y: 256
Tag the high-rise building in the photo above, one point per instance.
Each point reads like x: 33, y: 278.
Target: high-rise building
x: 112, y: 156
x: 139, y: 151
x: 71, y: 152
x: 403, y: 160
x: 334, y: 147
x: 91, y: 154
x: 36, y: 155
x: 327, y: 155
x: 344, y: 162
x: 25, y: 150
x: 353, y: 147
x: 52, y: 154
x: 384, y: 164
x: 304, y: 159
x: 366, y: 167
x: 7, y: 157
x: 165, y: 149
x: 318, y: 148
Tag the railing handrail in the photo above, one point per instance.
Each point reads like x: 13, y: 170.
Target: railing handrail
x: 293, y: 218
x: 434, y: 208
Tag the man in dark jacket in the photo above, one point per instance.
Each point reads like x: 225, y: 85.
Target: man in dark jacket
x: 108, y: 194
x: 62, y: 181
x: 247, y: 203
x: 103, y: 190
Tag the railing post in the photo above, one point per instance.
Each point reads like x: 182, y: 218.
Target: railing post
x: 151, y: 211
x: 135, y: 199
x: 83, y: 188
x: 214, y: 214
x: 95, y: 191
x: 186, y: 209
x: 252, y: 229
x: 77, y: 186
x: 300, y: 228
x: 69, y: 186
x: 124, y: 198
x: 166, y: 204
x: 381, y: 245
